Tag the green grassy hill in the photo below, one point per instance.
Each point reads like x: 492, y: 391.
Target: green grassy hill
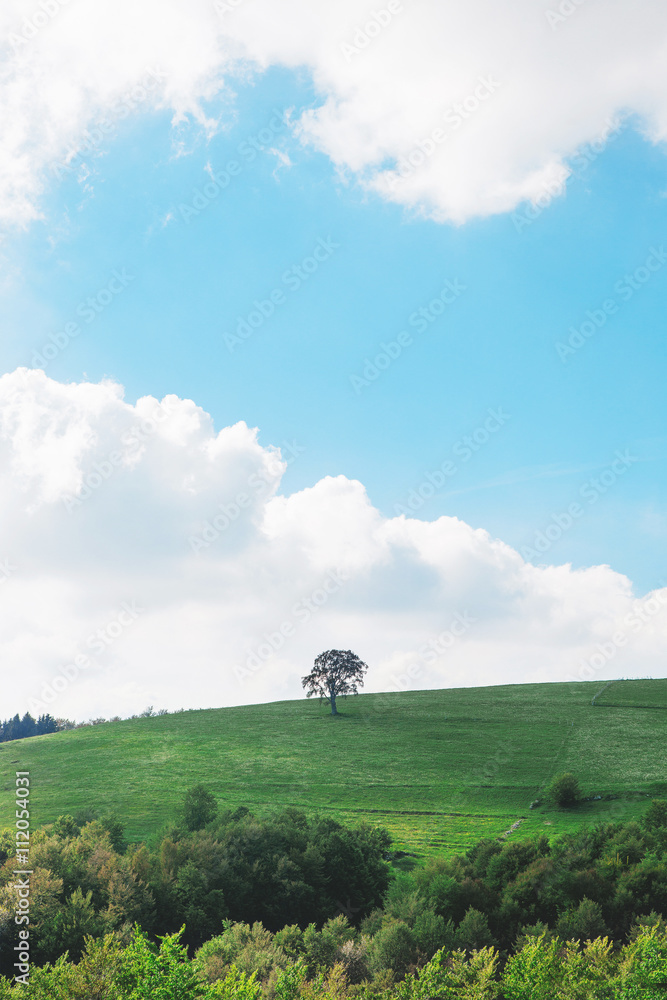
x: 439, y: 769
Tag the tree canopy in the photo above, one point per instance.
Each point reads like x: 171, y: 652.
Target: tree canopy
x: 19, y: 728
x: 335, y: 672
x: 564, y: 790
x: 199, y: 807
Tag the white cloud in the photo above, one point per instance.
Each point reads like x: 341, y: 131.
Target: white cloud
x: 211, y: 588
x: 514, y: 86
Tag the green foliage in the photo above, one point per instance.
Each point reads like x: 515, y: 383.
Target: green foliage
x: 199, y: 807
x: 402, y: 899
x: 546, y: 970
x: 18, y: 729
x: 536, y: 930
x: 7, y: 844
x: 473, y: 932
x: 149, y: 973
x: 138, y: 971
x: 439, y: 884
x: 116, y: 832
x: 290, y: 940
x: 290, y: 984
x: 285, y: 869
x: 249, y: 950
x: 541, y: 970
x: 289, y: 869
x: 453, y: 977
x: 322, y: 948
x: 259, y: 872
x: 73, y: 922
x: 643, y: 967
x: 236, y: 985
x: 564, y: 790
x: 95, y: 977
x: 432, y: 932
x: 582, y: 923
x: 609, y: 880
x: 534, y: 973
x: 655, y: 817
x: 393, y: 947
x: 645, y: 923
x: 65, y: 826
x: 654, y: 821
x: 596, y: 882
x: 335, y: 672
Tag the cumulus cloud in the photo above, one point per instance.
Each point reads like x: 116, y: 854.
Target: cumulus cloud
x: 455, y: 110
x: 151, y: 559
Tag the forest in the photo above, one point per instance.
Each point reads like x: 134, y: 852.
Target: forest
x: 277, y: 904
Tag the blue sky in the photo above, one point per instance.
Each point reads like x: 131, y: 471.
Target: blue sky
x: 526, y: 285
x: 463, y: 368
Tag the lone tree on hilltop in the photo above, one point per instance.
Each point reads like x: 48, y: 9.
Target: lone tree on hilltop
x: 335, y: 672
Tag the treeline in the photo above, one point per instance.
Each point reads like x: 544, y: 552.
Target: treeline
x: 18, y: 728
x: 597, y: 881
x: 288, y: 895
x: 283, y: 869
x: 540, y: 970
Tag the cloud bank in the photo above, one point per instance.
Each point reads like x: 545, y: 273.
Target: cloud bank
x: 455, y: 110
x: 150, y: 559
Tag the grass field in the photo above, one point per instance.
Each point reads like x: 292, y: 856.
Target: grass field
x: 438, y: 769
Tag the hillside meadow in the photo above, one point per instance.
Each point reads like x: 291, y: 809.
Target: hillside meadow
x: 439, y: 769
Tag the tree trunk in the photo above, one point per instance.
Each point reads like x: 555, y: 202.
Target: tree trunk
x: 332, y: 696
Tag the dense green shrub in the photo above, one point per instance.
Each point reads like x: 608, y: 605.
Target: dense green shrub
x: 249, y: 949
x: 473, y: 932
x: 394, y: 947
x: 564, y: 790
x: 582, y: 922
x: 199, y: 808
